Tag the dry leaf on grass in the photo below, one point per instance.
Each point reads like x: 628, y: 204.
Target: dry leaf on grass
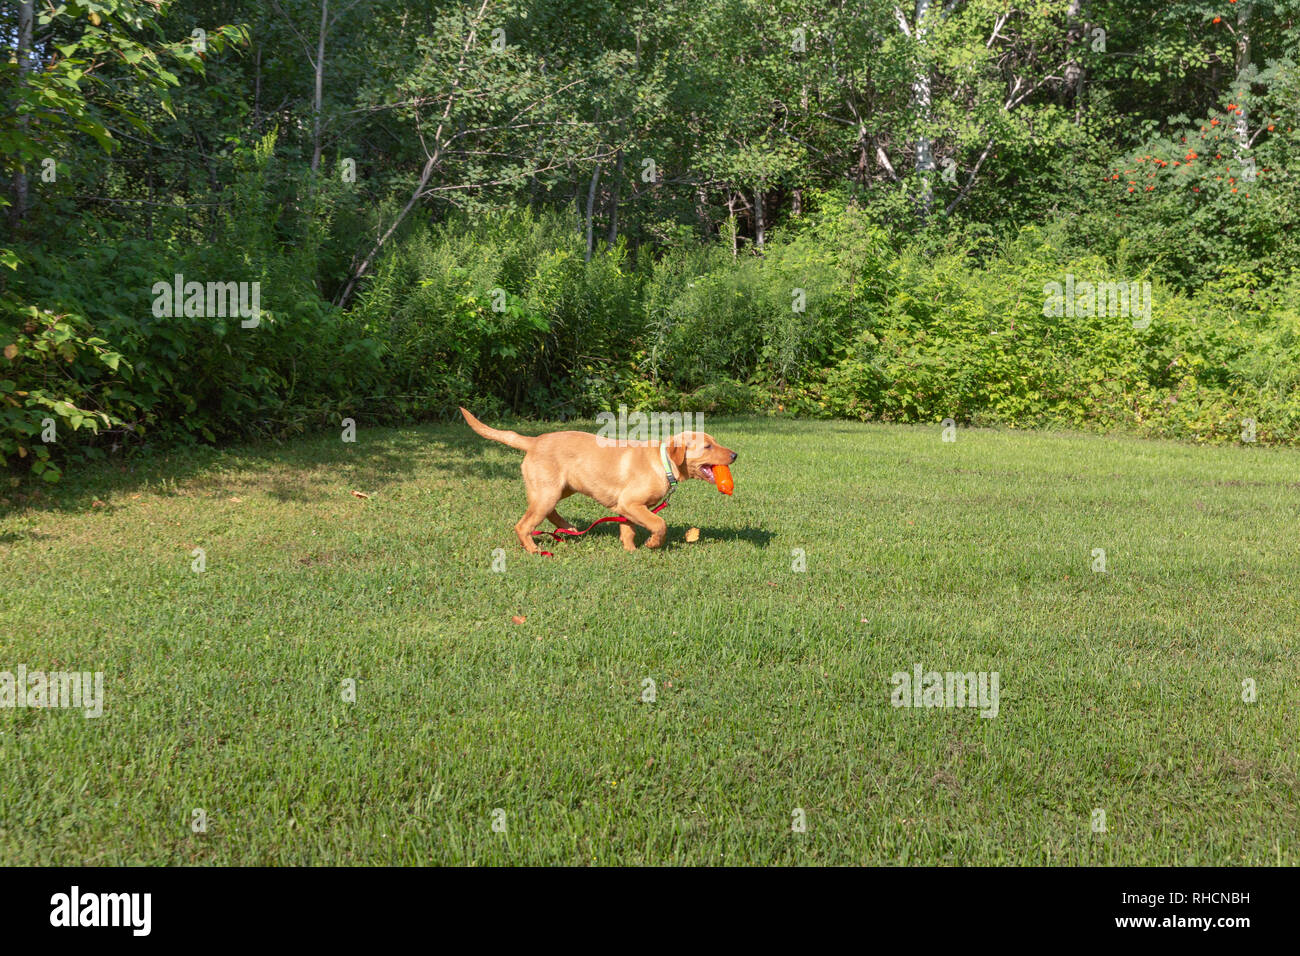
x: 518, y: 619
x: 361, y: 494
x: 693, y: 534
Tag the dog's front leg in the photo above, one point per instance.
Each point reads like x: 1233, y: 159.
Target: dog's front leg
x: 560, y: 521
x: 647, y: 519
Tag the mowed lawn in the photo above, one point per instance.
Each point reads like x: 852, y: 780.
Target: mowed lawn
x: 1119, y: 691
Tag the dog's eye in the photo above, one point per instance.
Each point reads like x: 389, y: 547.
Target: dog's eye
x: 707, y: 447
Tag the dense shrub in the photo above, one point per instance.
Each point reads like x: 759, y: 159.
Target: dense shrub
x: 502, y: 312
x: 81, y: 345
x: 975, y: 345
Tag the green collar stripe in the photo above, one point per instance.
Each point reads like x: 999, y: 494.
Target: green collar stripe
x: 668, y: 468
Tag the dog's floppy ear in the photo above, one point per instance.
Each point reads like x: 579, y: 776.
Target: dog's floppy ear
x: 677, y: 450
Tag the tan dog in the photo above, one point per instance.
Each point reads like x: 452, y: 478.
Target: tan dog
x: 627, y: 477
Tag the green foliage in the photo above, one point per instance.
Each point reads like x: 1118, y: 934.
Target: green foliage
x: 1194, y: 206
x: 878, y: 287
x: 113, y: 374
x: 40, y: 397
x: 70, y: 91
x: 899, y: 335
x: 976, y: 346
x: 503, y: 309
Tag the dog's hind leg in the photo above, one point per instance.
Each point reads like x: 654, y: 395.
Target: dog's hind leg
x: 543, y: 496
x: 529, y: 522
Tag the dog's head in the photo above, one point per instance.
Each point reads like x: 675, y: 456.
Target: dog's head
x: 696, y: 454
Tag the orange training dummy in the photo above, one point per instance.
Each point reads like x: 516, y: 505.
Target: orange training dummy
x: 722, y: 478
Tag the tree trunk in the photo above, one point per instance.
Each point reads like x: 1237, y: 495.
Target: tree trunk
x: 591, y: 208
x: 612, y: 236
x: 257, y: 88
x: 702, y: 210
x: 731, y: 223
x: 1243, y: 63
x: 1076, y: 32
x: 320, y: 83
x: 864, y: 164
x: 760, y: 228
x: 429, y: 166
x: 18, y: 209
x: 921, y: 103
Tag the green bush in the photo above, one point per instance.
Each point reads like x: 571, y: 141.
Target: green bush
x: 114, y: 375
x: 502, y: 312
x: 974, y: 345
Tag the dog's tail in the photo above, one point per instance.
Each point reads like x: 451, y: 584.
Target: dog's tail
x: 513, y: 439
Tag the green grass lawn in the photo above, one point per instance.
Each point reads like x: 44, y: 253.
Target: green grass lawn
x: 1119, y: 691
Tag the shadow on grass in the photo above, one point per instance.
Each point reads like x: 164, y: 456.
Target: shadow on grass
x: 378, y: 455
x: 13, y: 537
x: 758, y: 537
x: 466, y: 458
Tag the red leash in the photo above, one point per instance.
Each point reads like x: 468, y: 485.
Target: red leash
x: 559, y: 534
